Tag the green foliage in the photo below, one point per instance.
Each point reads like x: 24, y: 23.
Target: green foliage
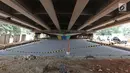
x: 9, y: 29
x: 16, y: 30
x: 126, y: 30
x: 109, y: 31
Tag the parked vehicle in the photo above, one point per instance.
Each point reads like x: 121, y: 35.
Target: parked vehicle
x: 119, y: 40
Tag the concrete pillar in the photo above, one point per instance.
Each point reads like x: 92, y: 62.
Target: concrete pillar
x: 16, y: 38
x: 90, y: 36
x: 23, y: 37
x: 7, y: 38
x: 2, y: 39
x: 64, y: 37
x: 37, y: 36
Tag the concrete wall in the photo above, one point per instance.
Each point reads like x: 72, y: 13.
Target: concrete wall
x: 7, y: 38
x: 23, y: 37
x: 4, y: 39
x: 16, y: 38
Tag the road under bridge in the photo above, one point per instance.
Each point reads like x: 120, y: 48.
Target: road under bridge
x: 59, y: 18
x: 58, y: 48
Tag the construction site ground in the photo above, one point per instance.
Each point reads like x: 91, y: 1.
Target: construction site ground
x: 19, y: 64
x: 49, y: 56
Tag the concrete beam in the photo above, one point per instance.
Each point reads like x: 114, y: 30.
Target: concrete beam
x: 16, y: 23
x: 80, y: 5
x: 13, y: 18
x: 109, y: 8
x: 18, y: 7
x: 65, y: 31
x: 48, y: 5
x: 62, y: 13
x: 68, y: 34
x: 126, y: 20
x: 118, y: 18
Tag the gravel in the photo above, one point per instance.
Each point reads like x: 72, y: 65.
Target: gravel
x: 18, y: 64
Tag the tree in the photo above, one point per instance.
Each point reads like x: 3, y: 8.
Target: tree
x: 9, y: 29
x: 109, y: 31
x: 126, y: 30
x: 16, y: 30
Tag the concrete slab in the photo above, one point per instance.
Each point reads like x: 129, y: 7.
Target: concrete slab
x: 79, y: 47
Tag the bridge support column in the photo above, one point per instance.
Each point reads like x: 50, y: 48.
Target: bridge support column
x: 90, y: 36
x: 64, y: 37
x: 37, y: 36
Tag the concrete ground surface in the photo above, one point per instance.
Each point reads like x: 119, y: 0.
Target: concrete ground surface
x: 51, y: 58
x: 78, y: 47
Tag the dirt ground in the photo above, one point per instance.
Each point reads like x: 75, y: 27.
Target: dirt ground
x: 54, y: 65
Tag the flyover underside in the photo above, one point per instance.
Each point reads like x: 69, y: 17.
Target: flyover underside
x: 64, y: 16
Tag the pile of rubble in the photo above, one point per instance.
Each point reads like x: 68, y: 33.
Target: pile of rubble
x: 33, y: 64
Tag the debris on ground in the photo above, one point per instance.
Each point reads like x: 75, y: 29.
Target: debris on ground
x: 90, y: 57
x: 30, y: 57
x: 57, y: 65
